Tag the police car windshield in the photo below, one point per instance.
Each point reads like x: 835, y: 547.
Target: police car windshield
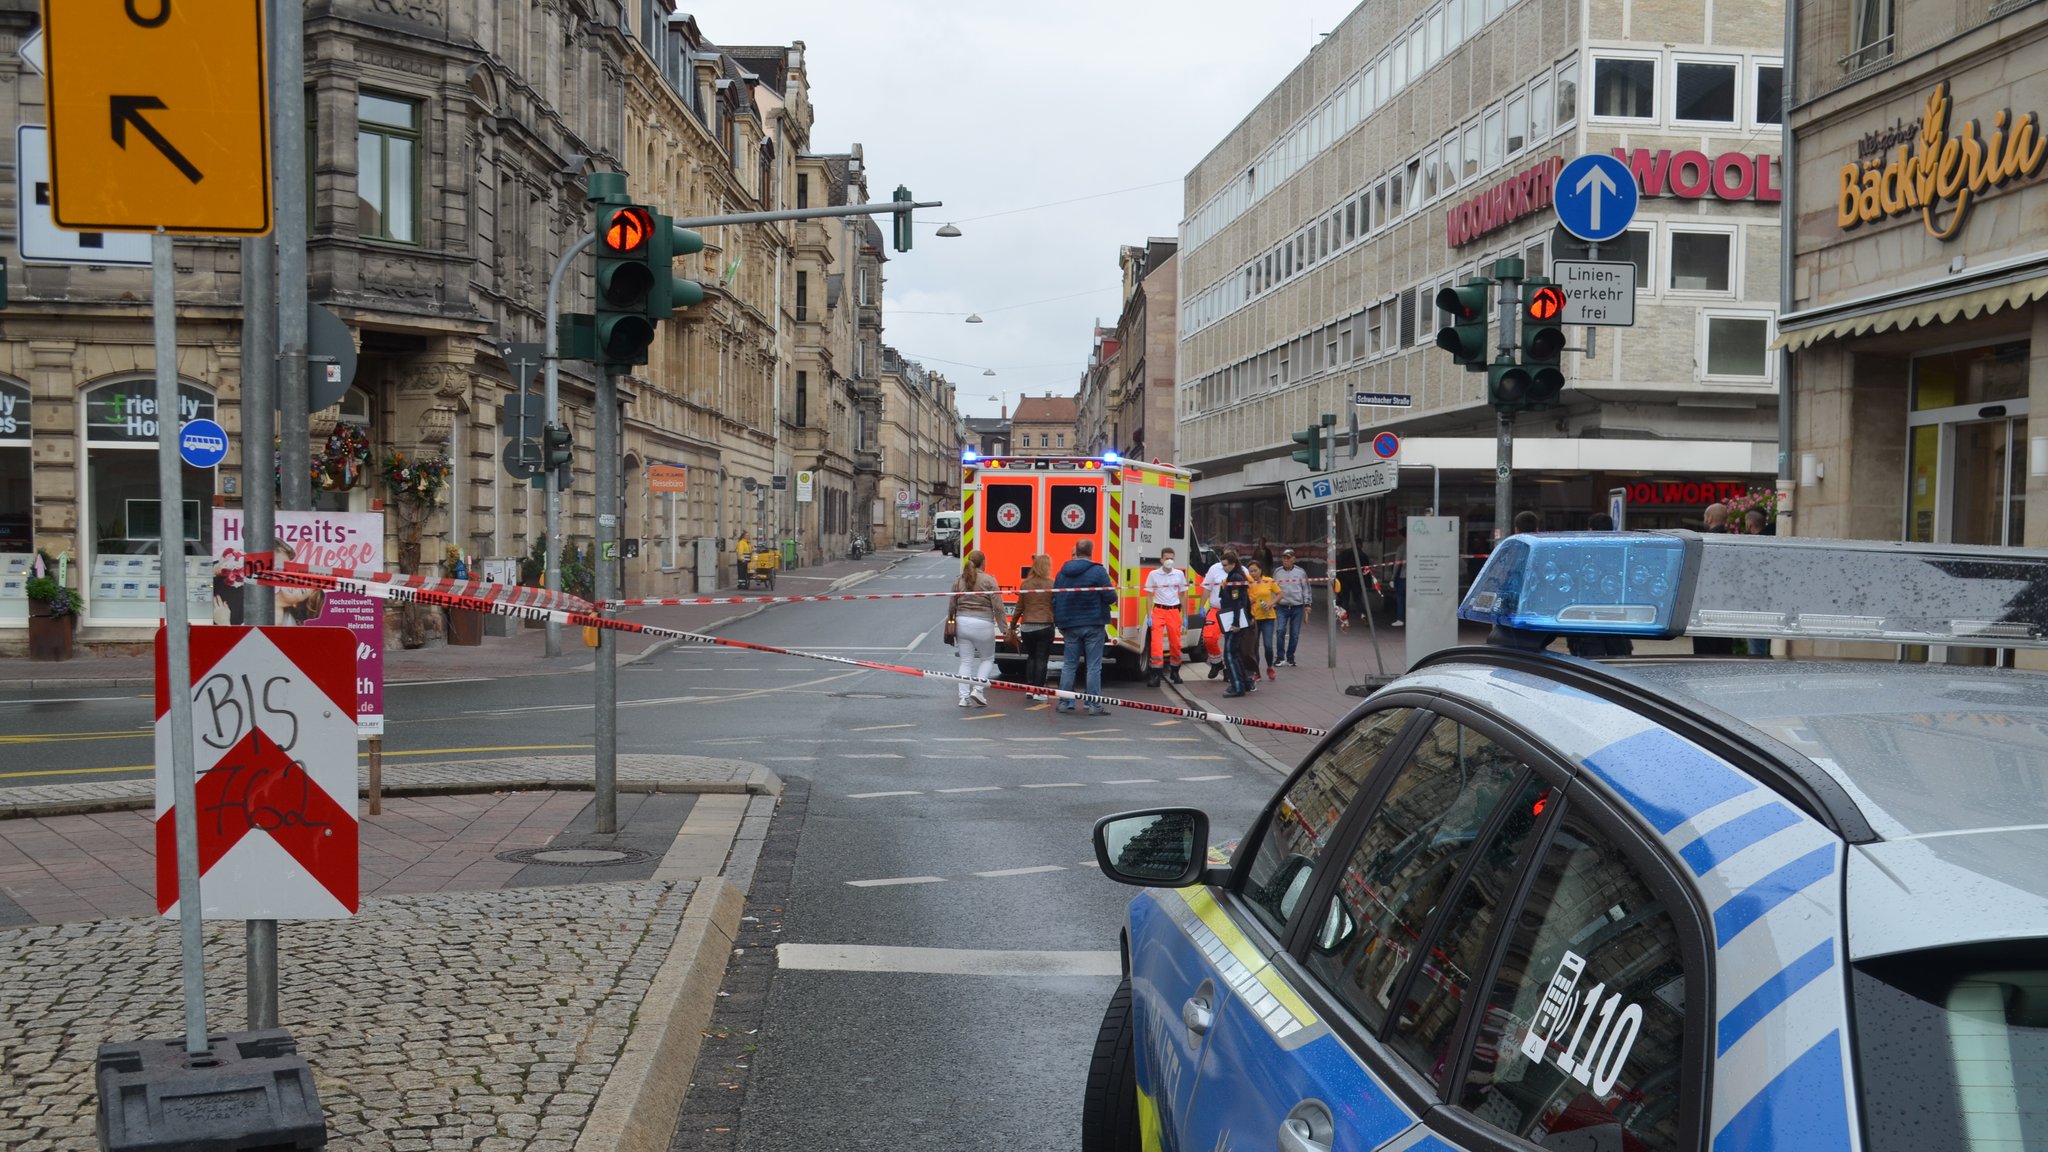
x: 1922, y: 748
x: 1952, y: 1048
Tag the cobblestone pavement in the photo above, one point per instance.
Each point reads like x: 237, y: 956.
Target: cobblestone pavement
x: 479, y: 1020
x: 637, y: 772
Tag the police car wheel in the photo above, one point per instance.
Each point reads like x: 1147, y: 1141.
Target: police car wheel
x: 1109, y: 1114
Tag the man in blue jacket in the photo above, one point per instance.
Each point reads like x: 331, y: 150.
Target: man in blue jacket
x: 1083, y: 618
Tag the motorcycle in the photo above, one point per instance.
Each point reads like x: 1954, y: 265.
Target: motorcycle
x: 858, y: 548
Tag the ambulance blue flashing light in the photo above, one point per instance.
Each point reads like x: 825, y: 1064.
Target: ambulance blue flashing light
x: 1594, y: 583
x: 969, y: 456
x: 1111, y: 458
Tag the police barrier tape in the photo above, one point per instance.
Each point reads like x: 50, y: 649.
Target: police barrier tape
x: 259, y: 567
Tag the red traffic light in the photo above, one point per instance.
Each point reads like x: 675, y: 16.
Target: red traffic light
x: 626, y: 231
x: 1546, y: 302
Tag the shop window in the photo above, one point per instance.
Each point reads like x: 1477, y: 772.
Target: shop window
x: 387, y: 168
x: 1770, y: 93
x: 1737, y: 346
x: 124, y: 530
x: 1971, y: 376
x: 1567, y: 94
x: 1703, y: 92
x: 1625, y: 87
x: 1700, y: 261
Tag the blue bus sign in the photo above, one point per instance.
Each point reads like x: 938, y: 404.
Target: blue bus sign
x: 203, y: 443
x: 1595, y: 197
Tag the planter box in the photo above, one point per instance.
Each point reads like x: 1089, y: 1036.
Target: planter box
x: 465, y: 627
x: 49, y: 637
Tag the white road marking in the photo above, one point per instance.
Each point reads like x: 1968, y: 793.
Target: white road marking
x: 983, y: 788
x: 912, y: 646
x: 896, y: 880
x: 390, y: 683
x: 944, y: 961
x: 1119, y: 757
x: 1199, y: 779
x: 960, y: 739
x: 872, y: 756
x: 881, y: 727
x: 1042, y: 786
x: 872, y: 795
x: 1022, y: 871
x: 1038, y: 739
x: 905, y: 740
x: 1088, y: 864
x: 1178, y: 756
x: 1139, y: 780
x: 1015, y: 756
x: 788, y: 759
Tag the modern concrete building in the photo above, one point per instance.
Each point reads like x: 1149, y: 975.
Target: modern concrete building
x: 1917, y: 324
x: 1414, y: 147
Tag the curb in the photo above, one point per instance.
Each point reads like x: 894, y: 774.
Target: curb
x: 1230, y: 732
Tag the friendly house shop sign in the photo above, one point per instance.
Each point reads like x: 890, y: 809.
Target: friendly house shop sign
x: 1935, y: 173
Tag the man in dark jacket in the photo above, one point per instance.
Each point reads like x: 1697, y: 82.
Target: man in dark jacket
x: 1083, y: 618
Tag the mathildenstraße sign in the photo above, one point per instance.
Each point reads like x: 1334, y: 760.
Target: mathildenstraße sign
x: 1319, y: 488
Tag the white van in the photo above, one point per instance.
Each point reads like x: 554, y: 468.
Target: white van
x: 946, y: 532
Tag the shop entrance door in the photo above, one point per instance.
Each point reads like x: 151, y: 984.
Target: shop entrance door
x: 1968, y: 485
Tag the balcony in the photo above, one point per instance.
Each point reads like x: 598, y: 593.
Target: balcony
x: 867, y: 461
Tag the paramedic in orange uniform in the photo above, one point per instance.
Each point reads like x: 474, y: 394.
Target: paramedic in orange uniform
x: 1167, y: 585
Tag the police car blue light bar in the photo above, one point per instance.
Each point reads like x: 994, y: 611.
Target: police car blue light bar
x: 1666, y: 584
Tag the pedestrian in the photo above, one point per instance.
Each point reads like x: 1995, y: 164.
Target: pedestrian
x: 1755, y: 523
x: 1265, y: 593
x: 1292, y: 609
x: 1234, y: 616
x: 972, y: 620
x: 1348, y: 587
x: 745, y: 548
x: 1031, y: 620
x: 1212, y: 587
x: 1527, y: 521
x: 1167, y: 585
x: 1262, y: 555
x: 1400, y: 562
x: 1716, y: 523
x: 1083, y: 616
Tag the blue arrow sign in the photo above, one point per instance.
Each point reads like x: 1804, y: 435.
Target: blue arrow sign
x: 203, y: 443
x: 1595, y: 197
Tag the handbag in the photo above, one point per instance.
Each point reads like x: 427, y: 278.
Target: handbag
x: 952, y: 629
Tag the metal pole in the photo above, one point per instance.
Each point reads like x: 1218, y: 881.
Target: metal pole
x: 877, y: 209
x: 288, y: 136
x: 170, y: 478
x: 552, y: 397
x: 259, y: 416
x: 1372, y: 625
x: 607, y: 712
x: 1330, y: 550
x: 1504, y: 477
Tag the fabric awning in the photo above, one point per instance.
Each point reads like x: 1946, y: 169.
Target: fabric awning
x: 1968, y: 304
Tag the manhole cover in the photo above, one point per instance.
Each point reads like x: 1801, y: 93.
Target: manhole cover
x: 571, y: 856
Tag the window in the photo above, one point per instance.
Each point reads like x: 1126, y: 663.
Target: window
x: 1447, y: 177
x: 1703, y: 93
x: 1073, y: 509
x: 1518, y: 123
x: 1381, y: 76
x: 1379, y: 208
x: 1435, y: 51
x: 1471, y: 150
x: 1870, y: 34
x: 803, y: 398
x: 1770, y: 93
x: 1699, y: 261
x: 803, y: 190
x: 1062, y: 440
x: 1408, y: 318
x: 1495, y: 9
x: 860, y: 280
x: 1044, y: 440
x: 1429, y: 174
x: 1539, y: 111
x: 1432, y: 814
x: 1532, y: 259
x: 1008, y: 508
x: 1375, y: 327
x: 387, y: 168
x: 1633, y: 246
x: 1350, y: 221
x: 1587, y: 1013
x: 1491, y: 154
x: 124, y: 506
x: 1417, y: 47
x: 1398, y: 199
x: 1738, y: 346
x: 1567, y: 94
x: 1454, y: 24
x: 1475, y: 16
x: 803, y: 296
x: 1399, y: 59
x: 1293, y: 843
x: 1624, y: 87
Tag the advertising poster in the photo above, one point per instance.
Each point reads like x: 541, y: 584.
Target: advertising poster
x: 331, y: 539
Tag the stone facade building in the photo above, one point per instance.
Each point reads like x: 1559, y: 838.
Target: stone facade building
x: 449, y: 144
x: 920, y: 452
x: 1411, y: 149
x: 1045, y: 426
x: 1095, y: 401
x: 1142, y: 419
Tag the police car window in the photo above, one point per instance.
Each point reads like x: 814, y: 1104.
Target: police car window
x: 1282, y: 871
x: 1009, y: 507
x: 1427, y: 1027
x: 1579, y: 1038
x: 1073, y: 509
x: 1409, y: 853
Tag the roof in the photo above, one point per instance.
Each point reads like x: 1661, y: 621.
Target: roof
x: 1044, y: 410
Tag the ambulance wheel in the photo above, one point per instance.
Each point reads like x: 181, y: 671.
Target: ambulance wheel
x: 1109, y: 1112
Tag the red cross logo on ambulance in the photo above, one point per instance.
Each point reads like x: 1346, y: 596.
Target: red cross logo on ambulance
x: 1072, y: 517
x: 1008, y: 515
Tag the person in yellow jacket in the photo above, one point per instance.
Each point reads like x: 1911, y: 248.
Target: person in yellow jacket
x: 745, y: 547
x: 1265, y: 613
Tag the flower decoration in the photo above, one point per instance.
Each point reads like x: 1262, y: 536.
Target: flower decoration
x: 417, y: 482
x: 340, y: 465
x: 1764, y: 500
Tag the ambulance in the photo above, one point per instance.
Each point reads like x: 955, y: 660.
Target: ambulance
x: 1013, y: 507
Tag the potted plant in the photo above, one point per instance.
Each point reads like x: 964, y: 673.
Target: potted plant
x: 52, y: 612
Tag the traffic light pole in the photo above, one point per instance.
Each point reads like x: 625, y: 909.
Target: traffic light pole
x: 552, y: 398
x: 1508, y: 273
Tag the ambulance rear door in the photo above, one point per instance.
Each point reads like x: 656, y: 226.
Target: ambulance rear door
x: 1011, y: 522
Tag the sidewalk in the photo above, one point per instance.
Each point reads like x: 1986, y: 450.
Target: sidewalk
x: 520, y: 654
x: 513, y: 982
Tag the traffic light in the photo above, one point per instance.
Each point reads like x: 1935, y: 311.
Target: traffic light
x: 626, y: 280
x: 1311, y: 452
x: 671, y: 292
x: 1507, y: 386
x: 1542, y: 340
x: 557, y: 448
x: 903, y: 236
x: 1465, y: 336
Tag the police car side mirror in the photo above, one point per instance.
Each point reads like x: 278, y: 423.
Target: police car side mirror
x: 1155, y: 848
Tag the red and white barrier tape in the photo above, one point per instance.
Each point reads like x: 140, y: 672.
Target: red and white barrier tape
x: 413, y: 591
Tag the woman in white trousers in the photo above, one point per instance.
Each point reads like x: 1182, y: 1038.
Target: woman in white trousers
x: 974, y: 614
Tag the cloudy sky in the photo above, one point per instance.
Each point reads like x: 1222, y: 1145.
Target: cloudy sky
x: 1004, y: 109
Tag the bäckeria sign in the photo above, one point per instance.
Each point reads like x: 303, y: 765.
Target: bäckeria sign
x: 1939, y: 174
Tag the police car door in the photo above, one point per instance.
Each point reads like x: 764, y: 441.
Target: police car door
x: 1271, y: 1057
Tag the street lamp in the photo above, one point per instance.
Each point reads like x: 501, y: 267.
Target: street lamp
x: 974, y: 318
x: 948, y: 230
x: 988, y: 371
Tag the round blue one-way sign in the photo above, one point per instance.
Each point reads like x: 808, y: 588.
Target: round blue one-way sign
x: 203, y: 443
x: 1595, y: 197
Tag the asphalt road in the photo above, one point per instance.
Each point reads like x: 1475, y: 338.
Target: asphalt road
x: 937, y: 838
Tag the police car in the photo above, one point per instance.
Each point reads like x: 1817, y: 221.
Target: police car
x: 1522, y: 900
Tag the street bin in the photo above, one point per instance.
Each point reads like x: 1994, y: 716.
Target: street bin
x: 789, y: 554
x: 249, y: 1090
